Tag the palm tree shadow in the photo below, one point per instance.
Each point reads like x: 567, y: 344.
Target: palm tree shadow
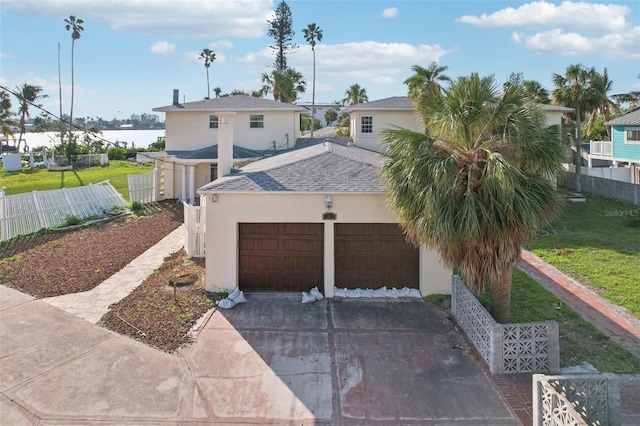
x: 78, y: 177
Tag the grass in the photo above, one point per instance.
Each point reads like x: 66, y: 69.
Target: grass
x: 41, y: 179
x: 597, y: 243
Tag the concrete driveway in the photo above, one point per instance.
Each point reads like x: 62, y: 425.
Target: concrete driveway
x: 271, y: 360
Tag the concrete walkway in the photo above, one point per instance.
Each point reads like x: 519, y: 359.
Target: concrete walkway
x: 93, y: 304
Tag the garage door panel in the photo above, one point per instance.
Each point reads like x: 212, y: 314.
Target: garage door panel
x: 281, y: 256
x: 372, y: 255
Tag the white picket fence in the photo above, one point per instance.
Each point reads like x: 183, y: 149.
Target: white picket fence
x: 142, y: 187
x: 24, y: 214
x: 194, y: 230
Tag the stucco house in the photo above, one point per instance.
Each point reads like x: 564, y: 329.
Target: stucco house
x: 258, y: 127
x: 369, y: 120
x: 314, y: 216
x: 622, y: 152
x: 321, y: 109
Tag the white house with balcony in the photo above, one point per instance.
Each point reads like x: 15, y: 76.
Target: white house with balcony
x: 622, y: 153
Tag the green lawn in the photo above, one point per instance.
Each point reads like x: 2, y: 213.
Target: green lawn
x: 597, y: 243
x: 41, y: 179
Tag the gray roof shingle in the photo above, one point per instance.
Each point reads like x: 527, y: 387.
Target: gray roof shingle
x: 232, y: 103
x: 319, y: 168
x: 632, y: 119
x: 402, y: 103
x: 211, y: 152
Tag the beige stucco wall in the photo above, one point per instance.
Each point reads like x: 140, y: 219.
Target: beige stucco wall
x: 186, y: 131
x: 223, y: 216
x: 553, y: 118
x: 381, y: 120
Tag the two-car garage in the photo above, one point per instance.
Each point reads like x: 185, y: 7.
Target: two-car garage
x: 290, y: 256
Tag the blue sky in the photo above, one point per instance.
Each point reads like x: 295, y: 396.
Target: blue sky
x: 133, y: 53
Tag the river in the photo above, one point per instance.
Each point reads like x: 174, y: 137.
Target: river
x: 133, y: 138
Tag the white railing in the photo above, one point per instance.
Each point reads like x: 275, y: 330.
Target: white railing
x: 142, y: 187
x: 24, y: 214
x: 507, y: 348
x: 194, y: 221
x: 601, y: 148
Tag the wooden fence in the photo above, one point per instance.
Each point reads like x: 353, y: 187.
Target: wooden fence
x: 142, y: 188
x: 24, y: 214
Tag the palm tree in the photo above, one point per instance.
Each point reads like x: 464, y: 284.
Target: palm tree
x: 355, y: 95
x: 602, y: 86
x: 311, y: 34
x: 473, y: 187
x: 285, y: 85
x: 534, y: 91
x: 209, y: 56
x: 27, y: 94
x: 217, y: 91
x: 6, y: 121
x: 574, y: 90
x: 75, y: 26
x: 425, y: 81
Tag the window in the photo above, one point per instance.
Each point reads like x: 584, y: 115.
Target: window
x: 632, y: 135
x: 213, y: 121
x: 256, y: 121
x: 213, y: 172
x: 366, y: 124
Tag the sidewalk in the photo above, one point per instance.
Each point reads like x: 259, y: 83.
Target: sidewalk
x: 608, y: 318
x: 93, y: 304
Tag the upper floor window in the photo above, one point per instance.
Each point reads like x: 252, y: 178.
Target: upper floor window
x: 256, y: 121
x: 632, y: 135
x: 366, y: 124
x: 213, y: 121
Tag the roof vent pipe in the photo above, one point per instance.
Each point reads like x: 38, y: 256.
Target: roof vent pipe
x: 176, y: 96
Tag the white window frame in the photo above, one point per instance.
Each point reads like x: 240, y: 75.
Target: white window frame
x: 361, y: 129
x: 632, y: 141
x: 252, y: 121
x: 214, y: 119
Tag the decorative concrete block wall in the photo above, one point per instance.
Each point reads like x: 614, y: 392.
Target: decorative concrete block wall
x: 607, y: 188
x: 507, y: 348
x: 581, y: 399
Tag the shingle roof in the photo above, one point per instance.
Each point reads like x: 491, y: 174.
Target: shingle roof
x: 633, y: 118
x: 211, y: 152
x: 320, y: 168
x: 232, y: 103
x: 548, y: 107
x: 403, y: 103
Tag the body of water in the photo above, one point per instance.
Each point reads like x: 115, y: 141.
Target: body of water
x: 135, y: 138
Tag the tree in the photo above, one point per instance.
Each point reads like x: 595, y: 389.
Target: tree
x: 425, y: 81
x: 355, y: 95
x: 27, y: 94
x: 532, y: 89
x: 281, y: 30
x: 217, y: 91
x: 209, y: 56
x: 574, y: 90
x: 311, y: 34
x: 330, y: 115
x: 75, y: 26
x: 285, y: 85
x: 603, y: 106
x: 6, y: 122
x: 473, y: 186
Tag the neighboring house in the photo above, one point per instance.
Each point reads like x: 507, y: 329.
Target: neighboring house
x: 256, y: 126
x: 321, y: 108
x: 315, y: 216
x: 622, y: 152
x: 369, y: 120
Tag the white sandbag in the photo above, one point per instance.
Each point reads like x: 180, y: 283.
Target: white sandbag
x: 380, y: 292
x: 235, y: 293
x: 353, y: 294
x: 365, y: 293
x: 403, y: 292
x: 239, y: 299
x: 414, y: 292
x: 340, y: 292
x: 226, y: 304
x: 392, y: 293
x: 316, y: 293
x: 307, y: 298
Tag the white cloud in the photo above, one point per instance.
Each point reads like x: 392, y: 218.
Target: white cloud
x: 623, y: 45
x: 390, y: 12
x: 221, y: 45
x: 162, y: 48
x: 592, y: 17
x: 4, y: 55
x: 177, y: 18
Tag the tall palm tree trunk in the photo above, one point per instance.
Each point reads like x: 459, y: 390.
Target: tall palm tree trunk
x: 60, y: 123
x: 73, y: 43
x: 313, y: 95
x: 578, y: 147
x: 208, y: 89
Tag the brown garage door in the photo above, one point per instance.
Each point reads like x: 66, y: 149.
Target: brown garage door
x: 372, y: 255
x: 281, y: 256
